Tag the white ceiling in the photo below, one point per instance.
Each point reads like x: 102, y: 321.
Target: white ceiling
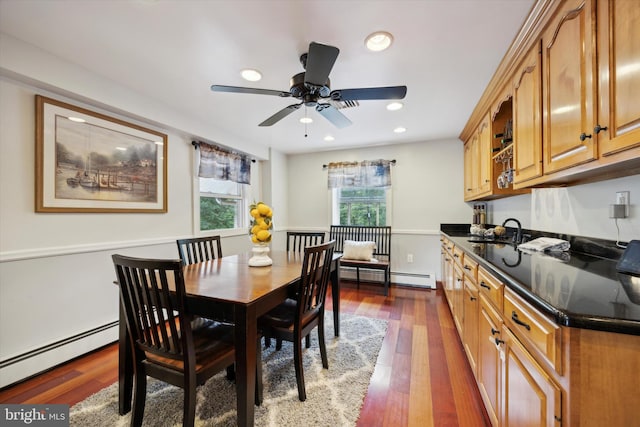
x: 172, y: 51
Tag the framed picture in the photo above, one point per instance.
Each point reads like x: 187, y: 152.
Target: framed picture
x: 89, y: 162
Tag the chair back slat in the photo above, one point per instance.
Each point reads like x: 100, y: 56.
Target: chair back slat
x: 199, y: 249
x: 316, y: 269
x: 298, y: 240
x: 152, y: 294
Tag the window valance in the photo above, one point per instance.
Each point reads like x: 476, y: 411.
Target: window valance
x: 224, y: 165
x: 367, y: 173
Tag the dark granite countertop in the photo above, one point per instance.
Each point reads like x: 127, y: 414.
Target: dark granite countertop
x: 579, y: 288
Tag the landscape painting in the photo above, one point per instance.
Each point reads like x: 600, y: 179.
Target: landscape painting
x: 89, y: 162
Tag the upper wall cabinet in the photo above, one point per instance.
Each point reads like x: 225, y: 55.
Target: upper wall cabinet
x: 527, y: 118
x: 568, y: 59
x: 618, y: 126
x: 573, y: 75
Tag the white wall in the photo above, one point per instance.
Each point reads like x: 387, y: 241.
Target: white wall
x: 580, y: 210
x: 427, y: 188
x: 56, y: 275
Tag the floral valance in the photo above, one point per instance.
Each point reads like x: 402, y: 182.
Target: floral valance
x: 367, y: 173
x: 224, y: 165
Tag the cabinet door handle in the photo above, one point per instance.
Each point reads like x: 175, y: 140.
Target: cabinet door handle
x: 466, y: 267
x: 514, y: 317
x: 455, y: 255
x: 473, y: 298
x: 498, y: 341
x: 598, y: 128
x: 584, y: 136
x: 494, y: 331
x: 484, y: 285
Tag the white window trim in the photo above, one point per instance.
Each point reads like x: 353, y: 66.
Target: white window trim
x: 195, y: 199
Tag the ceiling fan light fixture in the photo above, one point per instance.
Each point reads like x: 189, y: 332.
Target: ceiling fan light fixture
x: 400, y: 129
x: 394, y: 106
x: 306, y: 120
x: 251, y: 75
x: 378, y: 41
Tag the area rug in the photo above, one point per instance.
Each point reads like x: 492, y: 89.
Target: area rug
x: 334, y: 395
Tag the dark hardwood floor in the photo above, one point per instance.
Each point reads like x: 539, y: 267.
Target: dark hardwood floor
x: 422, y: 377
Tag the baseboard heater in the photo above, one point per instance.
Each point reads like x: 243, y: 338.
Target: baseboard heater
x: 427, y: 280
x: 31, y: 363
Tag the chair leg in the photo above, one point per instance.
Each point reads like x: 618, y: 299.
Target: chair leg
x: 323, y: 346
x: 307, y: 340
x: 358, y: 277
x: 231, y: 372
x: 297, y: 359
x: 278, y: 343
x: 189, y: 416
x: 139, y: 398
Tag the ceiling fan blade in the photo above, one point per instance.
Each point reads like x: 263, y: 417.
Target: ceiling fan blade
x: 330, y: 113
x: 320, y: 60
x: 255, y: 91
x: 280, y: 115
x: 369, y: 93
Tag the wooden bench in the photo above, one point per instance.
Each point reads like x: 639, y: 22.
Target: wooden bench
x: 381, y: 236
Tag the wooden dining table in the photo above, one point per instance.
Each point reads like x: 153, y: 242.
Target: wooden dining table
x: 229, y: 285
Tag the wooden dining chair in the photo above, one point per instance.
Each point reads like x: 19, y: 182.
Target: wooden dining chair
x: 296, y: 318
x: 199, y: 249
x: 298, y: 240
x: 165, y: 344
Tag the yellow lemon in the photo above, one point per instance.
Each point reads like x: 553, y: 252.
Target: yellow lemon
x: 264, y: 225
x: 254, y: 239
x: 264, y: 210
x: 255, y: 213
x: 255, y: 229
x: 263, y: 236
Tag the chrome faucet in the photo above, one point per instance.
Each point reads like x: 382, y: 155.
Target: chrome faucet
x: 517, y: 239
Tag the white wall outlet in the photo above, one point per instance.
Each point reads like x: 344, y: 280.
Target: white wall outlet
x: 409, y: 258
x: 622, y: 198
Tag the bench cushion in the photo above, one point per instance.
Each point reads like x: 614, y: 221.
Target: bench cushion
x: 362, y: 251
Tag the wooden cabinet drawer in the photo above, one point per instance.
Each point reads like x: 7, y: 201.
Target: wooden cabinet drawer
x: 490, y: 287
x: 458, y: 255
x: 470, y: 267
x: 538, y: 334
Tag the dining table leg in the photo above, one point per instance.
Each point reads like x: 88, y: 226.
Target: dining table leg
x: 246, y: 336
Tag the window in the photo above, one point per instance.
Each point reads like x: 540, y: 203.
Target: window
x: 361, y: 206
x: 222, y: 204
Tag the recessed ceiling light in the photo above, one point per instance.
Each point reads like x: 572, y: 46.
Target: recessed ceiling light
x: 378, y: 41
x: 393, y: 106
x: 251, y: 75
x: 400, y: 129
x: 329, y: 138
x: 121, y: 148
x: 306, y: 120
x: 76, y: 119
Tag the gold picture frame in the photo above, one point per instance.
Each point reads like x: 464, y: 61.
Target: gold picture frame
x: 90, y: 162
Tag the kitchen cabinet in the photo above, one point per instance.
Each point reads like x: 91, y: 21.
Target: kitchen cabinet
x: 530, y: 368
x: 489, y: 372
x: 618, y: 44
x: 527, y: 118
x: 530, y: 396
x: 469, y: 306
x: 574, y: 78
x: 568, y: 58
x: 477, y: 162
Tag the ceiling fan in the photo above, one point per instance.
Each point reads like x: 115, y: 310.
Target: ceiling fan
x: 313, y: 89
